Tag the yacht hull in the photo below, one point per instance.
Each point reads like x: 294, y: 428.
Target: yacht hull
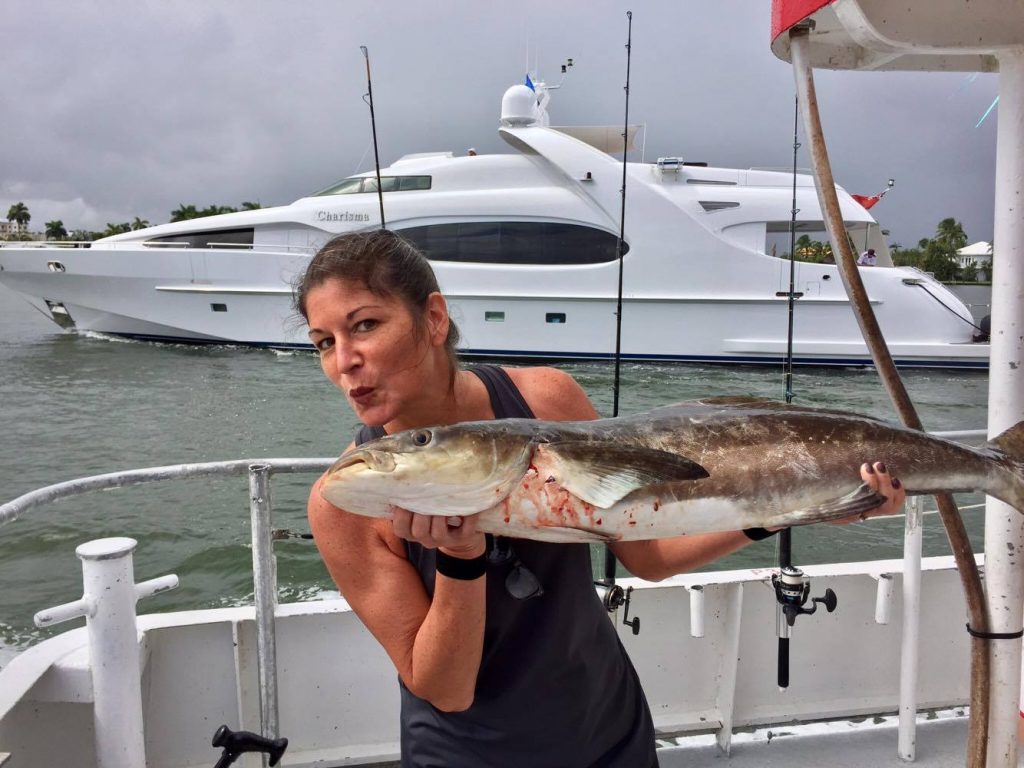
x: 138, y: 294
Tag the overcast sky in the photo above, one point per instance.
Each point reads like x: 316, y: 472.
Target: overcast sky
x: 113, y: 110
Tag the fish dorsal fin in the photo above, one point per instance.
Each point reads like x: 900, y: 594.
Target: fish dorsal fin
x: 602, y: 474
x: 759, y: 403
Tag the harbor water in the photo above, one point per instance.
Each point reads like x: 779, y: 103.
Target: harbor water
x: 73, y: 405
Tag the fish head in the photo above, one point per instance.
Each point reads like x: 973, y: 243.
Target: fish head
x: 456, y: 470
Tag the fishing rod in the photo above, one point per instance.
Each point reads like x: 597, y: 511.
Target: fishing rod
x: 613, y: 595
x: 792, y: 587
x: 368, y: 98
x: 622, y: 225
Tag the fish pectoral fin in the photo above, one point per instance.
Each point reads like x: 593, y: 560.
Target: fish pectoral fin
x: 862, y: 499
x: 602, y: 474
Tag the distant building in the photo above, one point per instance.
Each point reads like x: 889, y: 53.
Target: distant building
x: 12, y: 228
x: 980, y: 255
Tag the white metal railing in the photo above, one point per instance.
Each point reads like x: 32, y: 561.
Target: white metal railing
x: 134, y: 244
x: 260, y: 471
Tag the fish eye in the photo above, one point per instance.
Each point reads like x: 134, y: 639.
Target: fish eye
x: 421, y: 437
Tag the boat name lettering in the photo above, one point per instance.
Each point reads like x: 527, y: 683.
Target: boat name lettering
x: 341, y: 216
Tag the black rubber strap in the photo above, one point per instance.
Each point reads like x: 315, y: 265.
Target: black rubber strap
x: 757, y: 534
x: 460, y: 568
x: 994, y: 635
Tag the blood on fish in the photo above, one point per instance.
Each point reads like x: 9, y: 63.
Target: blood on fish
x: 657, y: 504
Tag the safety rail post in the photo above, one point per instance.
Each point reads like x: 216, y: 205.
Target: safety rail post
x: 264, y: 568
x: 913, y: 535
x: 108, y: 604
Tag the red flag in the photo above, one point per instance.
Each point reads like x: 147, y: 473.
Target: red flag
x: 867, y: 201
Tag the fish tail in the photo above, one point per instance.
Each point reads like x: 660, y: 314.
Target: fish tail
x: 1008, y: 449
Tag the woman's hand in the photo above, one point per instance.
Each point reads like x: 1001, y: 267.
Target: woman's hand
x: 877, y: 476
x: 458, y: 536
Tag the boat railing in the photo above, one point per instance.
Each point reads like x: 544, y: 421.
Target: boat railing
x: 174, y: 245
x: 263, y: 535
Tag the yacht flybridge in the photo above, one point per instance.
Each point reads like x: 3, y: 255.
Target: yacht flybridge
x: 525, y: 249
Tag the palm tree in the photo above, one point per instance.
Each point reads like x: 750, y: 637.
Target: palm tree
x: 55, y: 230
x: 215, y: 210
x: 116, y: 229
x: 19, y: 213
x: 950, y: 234
x: 139, y: 224
x: 184, y: 212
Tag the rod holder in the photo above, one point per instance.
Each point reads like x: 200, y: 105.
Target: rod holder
x: 696, y: 593
x: 883, y: 597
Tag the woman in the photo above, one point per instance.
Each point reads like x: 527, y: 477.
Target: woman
x: 521, y: 667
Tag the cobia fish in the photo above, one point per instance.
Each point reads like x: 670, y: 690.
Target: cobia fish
x: 717, y: 464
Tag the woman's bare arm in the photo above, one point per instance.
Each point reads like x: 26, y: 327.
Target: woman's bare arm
x: 436, y: 645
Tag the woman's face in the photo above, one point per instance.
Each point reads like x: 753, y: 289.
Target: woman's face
x: 373, y: 351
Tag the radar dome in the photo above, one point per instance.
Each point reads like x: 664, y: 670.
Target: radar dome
x: 518, y: 106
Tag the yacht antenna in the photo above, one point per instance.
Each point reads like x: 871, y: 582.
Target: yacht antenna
x: 614, y: 596
x: 368, y: 98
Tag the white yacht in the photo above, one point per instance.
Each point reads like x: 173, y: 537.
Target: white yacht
x: 525, y: 246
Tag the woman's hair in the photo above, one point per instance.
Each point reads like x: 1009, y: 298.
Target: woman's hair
x: 389, y: 266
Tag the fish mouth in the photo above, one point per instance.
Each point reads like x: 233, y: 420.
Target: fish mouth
x: 376, y: 461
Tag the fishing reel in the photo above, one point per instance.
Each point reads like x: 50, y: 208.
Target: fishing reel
x: 614, y: 597
x: 235, y: 743
x: 792, y: 588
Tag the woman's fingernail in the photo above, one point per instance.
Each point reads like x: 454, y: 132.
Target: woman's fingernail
x: 454, y: 522
x: 881, y: 467
x: 896, y: 482
x: 870, y: 469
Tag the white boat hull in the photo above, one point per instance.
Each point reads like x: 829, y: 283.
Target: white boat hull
x: 250, y: 304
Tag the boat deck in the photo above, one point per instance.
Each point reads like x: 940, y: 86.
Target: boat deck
x: 941, y: 743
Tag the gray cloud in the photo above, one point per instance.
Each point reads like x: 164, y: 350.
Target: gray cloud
x: 127, y: 108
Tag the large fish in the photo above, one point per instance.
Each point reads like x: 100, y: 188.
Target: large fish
x: 718, y: 464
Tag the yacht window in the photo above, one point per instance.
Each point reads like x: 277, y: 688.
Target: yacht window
x: 716, y: 205
x: 812, y: 240
x: 515, y: 242
x: 359, y: 184
x: 224, y: 238
x: 387, y: 183
x: 413, y: 182
x: 344, y: 187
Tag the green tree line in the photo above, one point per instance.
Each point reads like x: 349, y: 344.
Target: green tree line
x: 55, y: 230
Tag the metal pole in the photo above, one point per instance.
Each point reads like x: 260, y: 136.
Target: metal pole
x: 1004, y: 528
x: 264, y: 569
x: 912, y: 538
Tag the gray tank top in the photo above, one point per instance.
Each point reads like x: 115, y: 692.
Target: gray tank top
x: 555, y: 688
